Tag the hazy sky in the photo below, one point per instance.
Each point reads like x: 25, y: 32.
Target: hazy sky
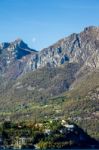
x: 43, y: 22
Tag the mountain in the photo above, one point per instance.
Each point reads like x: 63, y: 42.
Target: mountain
x: 57, y: 68
x: 13, y: 57
x: 13, y: 51
x: 54, y: 69
x: 79, y: 48
x: 58, y: 81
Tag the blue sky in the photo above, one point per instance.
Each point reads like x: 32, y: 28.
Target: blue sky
x: 41, y: 23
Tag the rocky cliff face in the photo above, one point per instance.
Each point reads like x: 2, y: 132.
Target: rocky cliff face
x: 13, y: 57
x: 80, y: 48
x: 71, y: 65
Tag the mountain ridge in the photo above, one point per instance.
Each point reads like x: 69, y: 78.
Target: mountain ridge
x: 74, y: 48
x: 82, y: 49
x: 61, y: 80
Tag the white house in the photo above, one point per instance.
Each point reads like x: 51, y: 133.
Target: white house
x: 47, y: 131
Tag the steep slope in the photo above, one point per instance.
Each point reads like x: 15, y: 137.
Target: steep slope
x: 58, y: 81
x: 82, y: 48
x: 13, y: 58
x: 32, y: 97
x: 58, y: 67
x: 40, y: 85
x: 82, y: 103
x: 49, y: 72
x: 13, y: 52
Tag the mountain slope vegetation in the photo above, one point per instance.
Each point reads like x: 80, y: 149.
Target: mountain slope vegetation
x: 61, y: 81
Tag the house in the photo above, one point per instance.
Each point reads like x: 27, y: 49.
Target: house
x: 47, y: 131
x: 69, y: 127
x: 38, y: 125
x: 21, y: 141
x: 63, y: 122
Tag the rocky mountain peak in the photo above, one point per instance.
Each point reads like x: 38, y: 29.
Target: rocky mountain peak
x: 81, y: 48
x: 11, y: 57
x: 18, y: 40
x: 19, y: 44
x: 91, y: 33
x: 91, y: 28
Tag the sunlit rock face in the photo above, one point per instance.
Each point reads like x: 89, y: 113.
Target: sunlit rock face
x: 80, y: 48
x: 83, y: 48
x: 13, y: 57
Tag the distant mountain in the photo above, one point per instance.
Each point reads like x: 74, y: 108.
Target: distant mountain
x: 13, y: 57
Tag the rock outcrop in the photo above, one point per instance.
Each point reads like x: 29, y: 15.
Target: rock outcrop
x: 80, y: 48
x: 83, y: 48
x: 13, y: 57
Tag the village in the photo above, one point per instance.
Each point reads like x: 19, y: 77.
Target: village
x: 45, y: 135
